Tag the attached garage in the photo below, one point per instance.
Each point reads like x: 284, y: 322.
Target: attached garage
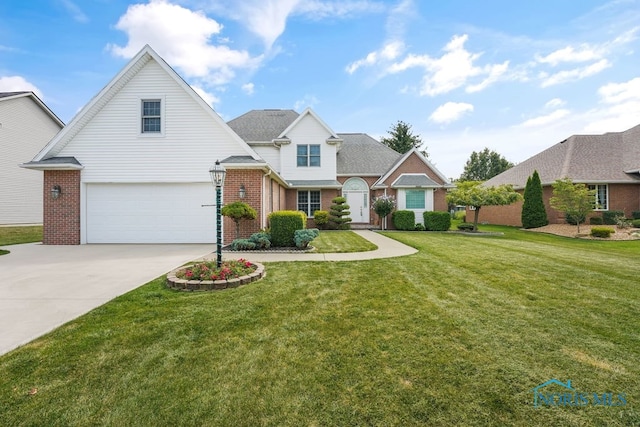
x: 150, y: 213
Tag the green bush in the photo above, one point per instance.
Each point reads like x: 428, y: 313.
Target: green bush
x: 533, y: 213
x: 404, y: 220
x: 635, y: 223
x: 321, y: 219
x: 635, y: 214
x: 465, y: 226
x: 610, y: 217
x: 601, y: 231
x: 283, y: 225
x: 262, y: 240
x: 339, y: 214
x: 596, y: 220
x: 572, y: 221
x: 437, y: 221
x: 419, y: 227
x: 242, y: 245
x: 460, y: 216
x: 303, y: 237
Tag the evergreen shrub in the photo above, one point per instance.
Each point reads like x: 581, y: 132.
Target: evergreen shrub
x: 404, y: 220
x: 437, y: 221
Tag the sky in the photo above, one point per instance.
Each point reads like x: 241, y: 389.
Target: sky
x: 513, y: 76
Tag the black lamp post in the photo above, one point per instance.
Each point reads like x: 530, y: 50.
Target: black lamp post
x: 218, y: 173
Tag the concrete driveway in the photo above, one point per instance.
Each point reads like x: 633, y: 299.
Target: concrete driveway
x: 43, y: 287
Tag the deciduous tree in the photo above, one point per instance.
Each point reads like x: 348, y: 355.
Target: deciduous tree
x: 484, y: 165
x: 574, y: 200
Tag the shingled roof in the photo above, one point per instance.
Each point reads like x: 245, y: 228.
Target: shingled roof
x: 362, y: 155
x: 262, y: 125
x: 613, y: 157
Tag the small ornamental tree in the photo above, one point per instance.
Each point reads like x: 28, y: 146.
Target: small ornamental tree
x: 339, y: 214
x: 576, y: 201
x: 534, y: 214
x: 472, y: 193
x: 238, y: 211
x: 383, y: 206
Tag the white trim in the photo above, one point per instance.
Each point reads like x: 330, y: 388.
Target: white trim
x: 404, y: 157
x: 163, y: 102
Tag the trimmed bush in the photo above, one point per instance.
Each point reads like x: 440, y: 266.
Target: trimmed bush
x: 596, y: 220
x: 437, y: 221
x: 610, y: 217
x: 460, y: 216
x: 635, y: 214
x: 465, y: 226
x: 601, y: 231
x: 404, y: 220
x: 533, y: 213
x: 339, y: 214
x: 419, y: 227
x: 303, y: 237
x: 635, y: 223
x: 242, y: 245
x: 321, y: 219
x: 283, y: 225
x: 262, y: 240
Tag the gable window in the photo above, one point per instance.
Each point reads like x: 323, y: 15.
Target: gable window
x: 308, y: 202
x: 415, y: 199
x: 308, y: 155
x: 602, y: 196
x: 151, y: 116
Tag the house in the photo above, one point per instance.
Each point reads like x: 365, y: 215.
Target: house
x: 608, y: 164
x: 133, y: 165
x: 26, y: 125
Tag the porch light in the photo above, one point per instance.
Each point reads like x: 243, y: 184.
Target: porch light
x: 242, y: 192
x: 218, y: 173
x: 56, y: 191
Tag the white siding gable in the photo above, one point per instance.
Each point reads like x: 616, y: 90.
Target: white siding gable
x: 308, y: 131
x: 112, y: 148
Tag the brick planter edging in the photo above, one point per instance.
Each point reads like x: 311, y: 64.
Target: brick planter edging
x: 213, y: 285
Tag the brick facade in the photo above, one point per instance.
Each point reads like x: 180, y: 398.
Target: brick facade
x: 62, y: 215
x: 252, y: 179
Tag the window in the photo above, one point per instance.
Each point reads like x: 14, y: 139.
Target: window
x: 415, y: 199
x: 151, y: 118
x: 602, y: 197
x: 308, y: 155
x: 309, y: 202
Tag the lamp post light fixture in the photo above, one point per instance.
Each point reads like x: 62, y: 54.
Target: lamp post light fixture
x: 242, y: 192
x: 55, y: 191
x: 218, y: 173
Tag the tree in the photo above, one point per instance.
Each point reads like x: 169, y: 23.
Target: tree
x: 484, y: 165
x: 383, y: 206
x: 534, y: 214
x: 473, y: 193
x: 402, y: 140
x: 574, y: 200
x: 238, y: 211
x: 339, y: 214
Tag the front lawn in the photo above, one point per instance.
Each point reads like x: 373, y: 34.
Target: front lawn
x: 16, y: 235
x: 457, y: 334
x: 341, y: 241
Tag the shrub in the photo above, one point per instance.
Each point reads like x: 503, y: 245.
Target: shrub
x: 572, y: 220
x: 437, y: 221
x: 283, y: 225
x: 339, y: 214
x: 460, y: 216
x: 242, y: 245
x: 622, y: 222
x: 596, y: 220
x: 465, y: 226
x: 609, y: 217
x: 238, y: 211
x: 419, y: 227
x: 303, y: 237
x: 635, y: 214
x: 601, y: 231
x: 533, y: 213
x: 635, y: 223
x: 321, y: 219
x: 404, y: 220
x: 262, y: 240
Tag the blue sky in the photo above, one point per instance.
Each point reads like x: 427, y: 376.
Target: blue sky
x: 513, y: 76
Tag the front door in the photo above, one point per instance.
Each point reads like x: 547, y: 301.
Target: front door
x: 358, y: 205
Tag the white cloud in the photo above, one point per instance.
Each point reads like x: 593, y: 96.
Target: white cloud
x: 18, y: 84
x: 554, y: 103
x: 316, y: 9
x: 619, y: 92
x: 388, y: 52
x: 209, y: 98
x: 546, y: 119
x: 495, y: 72
x: 584, y: 53
x: 248, y: 88
x: 450, y: 112
x: 575, y: 74
x: 308, y: 101
x: 77, y: 13
x: 181, y: 37
x: 621, y: 107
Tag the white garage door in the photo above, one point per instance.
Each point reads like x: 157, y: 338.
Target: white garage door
x: 150, y: 213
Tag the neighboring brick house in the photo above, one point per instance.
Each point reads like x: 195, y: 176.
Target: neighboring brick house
x: 133, y: 165
x: 608, y: 164
x: 26, y: 125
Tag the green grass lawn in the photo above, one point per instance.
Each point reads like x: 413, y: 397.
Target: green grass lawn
x: 339, y: 241
x: 457, y: 334
x: 15, y: 235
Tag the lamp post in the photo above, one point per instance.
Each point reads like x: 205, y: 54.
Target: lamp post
x: 218, y: 173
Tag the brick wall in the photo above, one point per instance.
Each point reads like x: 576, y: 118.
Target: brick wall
x: 253, y: 181
x: 62, y: 215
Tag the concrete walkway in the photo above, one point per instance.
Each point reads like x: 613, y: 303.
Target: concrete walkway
x: 43, y: 287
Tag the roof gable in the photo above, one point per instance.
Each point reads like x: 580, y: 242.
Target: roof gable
x: 7, y: 96
x: 120, y: 80
x: 401, y: 160
x: 311, y: 113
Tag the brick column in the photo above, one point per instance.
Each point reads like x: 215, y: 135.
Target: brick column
x: 62, y: 215
x: 252, y: 181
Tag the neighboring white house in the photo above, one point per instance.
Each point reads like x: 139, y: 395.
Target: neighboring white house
x: 26, y: 125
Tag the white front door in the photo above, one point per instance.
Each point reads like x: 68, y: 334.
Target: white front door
x: 358, y: 202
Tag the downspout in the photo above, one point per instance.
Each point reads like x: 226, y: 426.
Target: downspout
x: 264, y: 199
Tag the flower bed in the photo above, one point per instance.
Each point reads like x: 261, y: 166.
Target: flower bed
x: 205, y: 276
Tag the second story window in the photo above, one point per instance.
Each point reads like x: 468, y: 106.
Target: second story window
x: 151, y: 117
x: 308, y: 155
